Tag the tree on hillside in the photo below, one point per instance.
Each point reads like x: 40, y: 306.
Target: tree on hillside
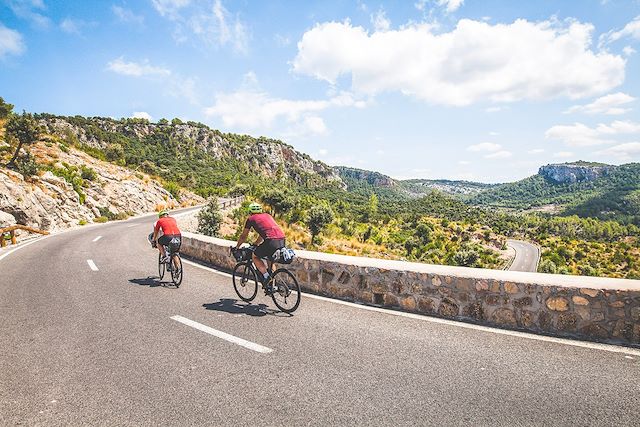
x: 210, y: 218
x: 318, y: 218
x: 372, y: 206
x: 24, y: 129
x: 5, y: 109
x: 279, y: 201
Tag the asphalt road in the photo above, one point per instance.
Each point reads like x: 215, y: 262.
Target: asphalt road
x: 527, y: 256
x: 85, y: 347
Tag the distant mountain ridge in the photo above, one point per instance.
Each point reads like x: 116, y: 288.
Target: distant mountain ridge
x: 360, y: 179
x: 579, y: 188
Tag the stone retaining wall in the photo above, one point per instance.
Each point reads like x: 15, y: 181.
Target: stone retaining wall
x: 591, y: 308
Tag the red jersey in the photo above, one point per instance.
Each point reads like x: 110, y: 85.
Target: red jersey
x: 265, y: 226
x: 168, y: 226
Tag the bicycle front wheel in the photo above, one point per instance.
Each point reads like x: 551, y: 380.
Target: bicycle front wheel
x: 176, y: 269
x: 245, y: 281
x: 286, y: 291
x: 161, y: 267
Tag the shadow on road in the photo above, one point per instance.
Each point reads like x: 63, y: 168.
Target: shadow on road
x: 234, y: 306
x: 152, y: 282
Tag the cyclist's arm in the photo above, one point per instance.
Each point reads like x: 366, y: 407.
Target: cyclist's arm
x: 243, y: 237
x: 156, y: 229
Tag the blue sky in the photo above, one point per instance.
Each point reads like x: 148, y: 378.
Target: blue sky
x: 459, y: 89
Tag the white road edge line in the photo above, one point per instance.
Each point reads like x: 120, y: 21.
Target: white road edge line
x: 584, y: 344
x: 23, y: 245
x: 97, y: 238
x: 222, y: 335
x: 132, y: 225
x: 92, y: 265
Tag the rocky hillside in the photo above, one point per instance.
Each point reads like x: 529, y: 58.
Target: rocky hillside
x: 131, y: 140
x: 364, y: 180
x: 74, y: 188
x: 454, y: 188
x: 569, y: 173
x: 354, y: 177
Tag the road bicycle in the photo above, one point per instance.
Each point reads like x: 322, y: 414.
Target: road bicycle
x: 173, y: 264
x: 282, y: 285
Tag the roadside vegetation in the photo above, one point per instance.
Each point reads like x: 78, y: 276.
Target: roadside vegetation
x: 365, y: 219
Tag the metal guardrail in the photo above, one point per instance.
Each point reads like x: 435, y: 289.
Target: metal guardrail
x: 231, y: 202
x: 9, y: 233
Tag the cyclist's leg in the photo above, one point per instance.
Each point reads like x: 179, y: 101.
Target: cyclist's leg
x: 262, y: 251
x: 259, y: 263
x: 162, y: 241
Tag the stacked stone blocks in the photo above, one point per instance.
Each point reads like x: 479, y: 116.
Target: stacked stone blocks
x: 607, y: 315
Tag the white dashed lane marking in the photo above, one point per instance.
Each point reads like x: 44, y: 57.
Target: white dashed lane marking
x: 223, y: 335
x: 97, y: 238
x: 92, y: 265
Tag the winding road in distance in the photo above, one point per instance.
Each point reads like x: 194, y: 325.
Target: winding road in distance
x: 90, y: 336
x: 527, y: 256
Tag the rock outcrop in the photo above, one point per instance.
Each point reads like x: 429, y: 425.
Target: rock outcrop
x: 574, y: 172
x: 267, y: 156
x: 375, y: 179
x: 50, y: 203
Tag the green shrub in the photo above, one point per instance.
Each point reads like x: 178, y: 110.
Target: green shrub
x: 26, y: 165
x: 82, y: 222
x: 88, y: 173
x: 547, y: 266
x: 466, y: 257
x: 173, y: 188
x: 210, y: 219
x: 101, y: 219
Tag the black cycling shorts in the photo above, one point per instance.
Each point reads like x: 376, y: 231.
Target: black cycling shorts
x: 268, y: 247
x: 166, y: 241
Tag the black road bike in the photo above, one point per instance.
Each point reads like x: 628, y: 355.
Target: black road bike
x: 173, y: 264
x: 282, y: 285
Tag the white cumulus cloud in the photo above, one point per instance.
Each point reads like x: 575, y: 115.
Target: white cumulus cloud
x: 11, y: 42
x: 624, y: 152
x: 581, y: 135
x: 142, y: 115
x: 136, y: 69
x: 631, y: 30
x: 252, y: 109
x: 609, y: 104
x: 473, y: 62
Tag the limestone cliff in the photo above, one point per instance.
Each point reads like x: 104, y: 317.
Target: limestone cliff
x: 51, y: 203
x: 574, y: 172
x: 262, y: 155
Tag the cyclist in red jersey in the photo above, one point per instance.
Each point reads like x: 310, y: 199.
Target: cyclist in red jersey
x: 271, y: 237
x: 170, y: 231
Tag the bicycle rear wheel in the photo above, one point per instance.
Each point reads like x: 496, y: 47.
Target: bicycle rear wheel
x: 245, y: 281
x: 161, y: 267
x: 286, y: 290
x: 176, y: 269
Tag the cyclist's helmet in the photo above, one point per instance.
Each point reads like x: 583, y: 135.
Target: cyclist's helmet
x: 162, y: 213
x: 254, y: 208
